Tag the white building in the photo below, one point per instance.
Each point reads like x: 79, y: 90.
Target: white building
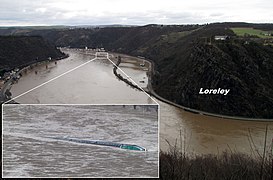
x: 221, y: 38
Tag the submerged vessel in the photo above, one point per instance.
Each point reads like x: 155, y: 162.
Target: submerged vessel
x: 104, y: 143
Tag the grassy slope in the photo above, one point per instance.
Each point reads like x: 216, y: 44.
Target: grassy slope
x: 251, y: 31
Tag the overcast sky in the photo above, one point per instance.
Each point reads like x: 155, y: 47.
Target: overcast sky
x: 132, y: 12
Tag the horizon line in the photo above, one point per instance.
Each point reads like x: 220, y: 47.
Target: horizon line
x: 97, y: 25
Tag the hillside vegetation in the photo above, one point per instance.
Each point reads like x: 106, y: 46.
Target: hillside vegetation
x: 188, y: 58
x: 18, y: 51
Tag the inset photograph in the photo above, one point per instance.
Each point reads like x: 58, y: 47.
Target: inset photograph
x: 80, y: 141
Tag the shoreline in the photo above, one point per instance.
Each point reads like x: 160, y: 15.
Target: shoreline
x: 151, y: 92
x: 119, y: 76
x: 10, y: 82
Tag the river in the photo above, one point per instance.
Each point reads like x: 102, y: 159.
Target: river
x: 92, y: 83
x: 95, y: 83
x: 32, y: 150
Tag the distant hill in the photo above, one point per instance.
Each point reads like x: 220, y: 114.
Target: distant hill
x: 18, y: 51
x: 188, y: 58
x: 122, y: 38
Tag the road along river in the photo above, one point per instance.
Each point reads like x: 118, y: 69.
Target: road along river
x: 95, y: 83
x: 197, y: 133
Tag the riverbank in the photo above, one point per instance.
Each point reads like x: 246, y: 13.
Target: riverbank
x: 8, y: 84
x: 151, y: 91
x: 120, y: 77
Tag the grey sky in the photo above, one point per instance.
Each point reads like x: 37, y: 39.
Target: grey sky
x: 137, y: 12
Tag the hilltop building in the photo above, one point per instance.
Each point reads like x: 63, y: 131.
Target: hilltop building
x: 221, y: 38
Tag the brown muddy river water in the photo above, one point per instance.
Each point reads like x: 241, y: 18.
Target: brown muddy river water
x: 37, y: 141
x: 95, y: 83
x: 92, y: 83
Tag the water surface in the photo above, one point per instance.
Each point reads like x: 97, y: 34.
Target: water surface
x: 29, y: 149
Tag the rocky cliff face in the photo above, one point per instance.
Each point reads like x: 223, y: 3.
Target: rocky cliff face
x: 244, y: 69
x: 196, y: 61
x: 17, y: 51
